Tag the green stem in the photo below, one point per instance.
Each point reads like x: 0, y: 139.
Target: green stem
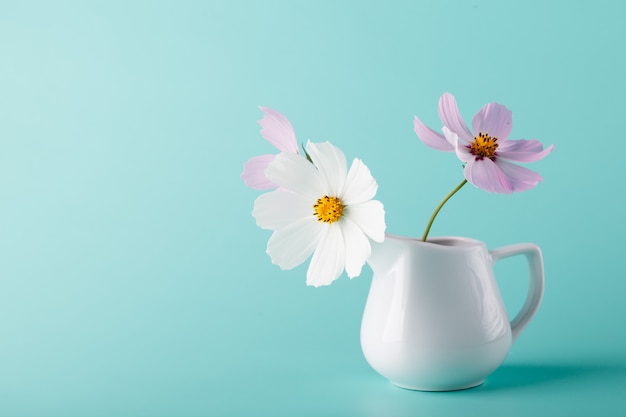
x: 446, y: 198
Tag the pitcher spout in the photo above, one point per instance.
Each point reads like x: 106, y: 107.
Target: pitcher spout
x: 388, y: 253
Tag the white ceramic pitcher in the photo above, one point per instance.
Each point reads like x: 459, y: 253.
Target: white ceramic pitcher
x: 434, y: 318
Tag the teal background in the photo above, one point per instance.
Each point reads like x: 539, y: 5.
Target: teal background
x: 133, y: 280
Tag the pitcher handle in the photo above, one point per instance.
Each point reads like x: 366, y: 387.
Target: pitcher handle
x: 536, y: 284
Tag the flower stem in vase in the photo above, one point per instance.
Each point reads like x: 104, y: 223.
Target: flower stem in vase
x: 446, y: 198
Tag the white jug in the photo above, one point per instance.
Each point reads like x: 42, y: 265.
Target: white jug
x: 434, y: 318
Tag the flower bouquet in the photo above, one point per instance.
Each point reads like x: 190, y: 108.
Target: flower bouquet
x: 434, y: 319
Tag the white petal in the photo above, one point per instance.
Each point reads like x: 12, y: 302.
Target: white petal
x: 452, y: 137
x: 463, y: 152
x: 293, y: 244
x: 331, y: 163
x: 297, y: 174
x: 329, y: 258
x: 358, y: 248
x: 370, y: 217
x: 278, y: 208
x: 360, y: 185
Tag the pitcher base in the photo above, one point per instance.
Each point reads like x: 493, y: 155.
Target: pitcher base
x: 438, y: 389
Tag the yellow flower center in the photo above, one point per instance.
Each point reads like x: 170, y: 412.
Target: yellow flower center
x: 484, y: 146
x: 328, y: 209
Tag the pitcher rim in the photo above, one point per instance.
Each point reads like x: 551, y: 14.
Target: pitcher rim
x: 438, y: 241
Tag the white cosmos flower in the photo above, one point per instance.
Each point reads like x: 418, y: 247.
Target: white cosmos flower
x: 323, y: 209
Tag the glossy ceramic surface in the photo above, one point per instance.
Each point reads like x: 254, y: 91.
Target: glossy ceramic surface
x: 434, y: 318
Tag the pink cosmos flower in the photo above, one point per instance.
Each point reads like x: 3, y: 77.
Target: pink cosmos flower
x: 277, y: 130
x: 486, y: 151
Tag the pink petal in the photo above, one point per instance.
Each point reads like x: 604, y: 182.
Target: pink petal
x: 277, y: 129
x: 521, y: 178
x: 451, y: 118
x: 431, y: 138
x: 486, y: 175
x: 524, y: 156
x: 254, y: 172
x: 329, y: 258
x: 520, y: 145
x: 494, y: 119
